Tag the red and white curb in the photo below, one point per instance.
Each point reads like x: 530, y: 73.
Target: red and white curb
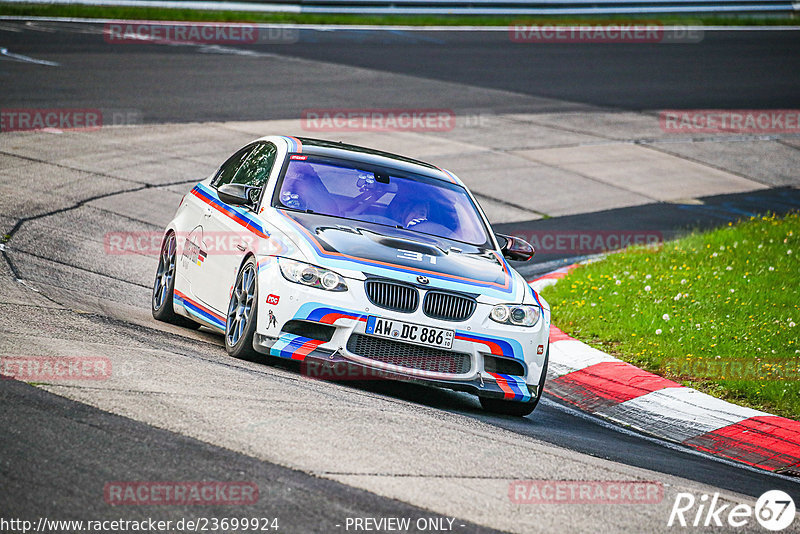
x: 607, y: 387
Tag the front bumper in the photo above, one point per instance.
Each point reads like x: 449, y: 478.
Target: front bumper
x: 327, y: 364
x: 478, y: 338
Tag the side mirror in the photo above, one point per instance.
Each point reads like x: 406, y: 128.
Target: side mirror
x: 514, y: 248
x: 235, y: 194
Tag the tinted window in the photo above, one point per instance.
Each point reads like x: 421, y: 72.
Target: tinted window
x: 382, y: 196
x: 229, y: 168
x: 255, y: 170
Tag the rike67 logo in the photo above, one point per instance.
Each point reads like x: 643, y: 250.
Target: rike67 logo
x: 774, y: 510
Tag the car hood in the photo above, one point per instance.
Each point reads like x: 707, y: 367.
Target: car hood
x: 385, y: 251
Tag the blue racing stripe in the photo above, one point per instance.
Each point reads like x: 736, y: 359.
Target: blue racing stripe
x: 518, y: 386
x: 194, y: 310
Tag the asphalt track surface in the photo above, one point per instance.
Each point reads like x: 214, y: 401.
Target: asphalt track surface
x: 726, y: 69
x: 72, y: 450
x: 174, y: 84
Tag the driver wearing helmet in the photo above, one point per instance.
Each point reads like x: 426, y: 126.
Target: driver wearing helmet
x: 303, y: 189
x: 416, y: 213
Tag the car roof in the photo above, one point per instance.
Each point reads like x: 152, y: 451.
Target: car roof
x: 338, y: 149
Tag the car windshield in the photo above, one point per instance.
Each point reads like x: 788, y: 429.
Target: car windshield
x: 381, y: 196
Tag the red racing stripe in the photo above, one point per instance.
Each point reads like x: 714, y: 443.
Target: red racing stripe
x: 330, y: 318
x: 606, y: 384
x: 508, y: 393
x: 232, y: 215
x: 767, y: 441
x: 204, y: 308
x: 494, y: 348
x: 305, y: 349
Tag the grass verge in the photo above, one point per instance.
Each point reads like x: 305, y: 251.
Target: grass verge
x: 152, y: 13
x: 716, y: 311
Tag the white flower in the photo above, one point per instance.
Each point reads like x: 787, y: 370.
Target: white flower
x: 761, y: 246
x: 649, y: 276
x: 683, y: 281
x: 714, y: 255
x: 791, y: 324
x: 593, y: 304
x: 665, y: 317
x: 789, y: 251
x: 728, y: 268
x: 772, y: 268
x: 733, y: 290
x: 647, y: 288
x: 658, y: 331
x: 618, y: 282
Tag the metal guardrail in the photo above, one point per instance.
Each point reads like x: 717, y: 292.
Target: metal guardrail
x: 463, y: 7
x: 537, y: 7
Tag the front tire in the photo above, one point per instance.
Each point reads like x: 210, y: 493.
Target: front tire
x: 516, y: 408
x: 240, y: 324
x: 164, y: 287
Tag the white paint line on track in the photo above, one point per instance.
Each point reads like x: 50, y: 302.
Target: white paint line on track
x: 365, y: 27
x: 10, y: 28
x: 25, y: 59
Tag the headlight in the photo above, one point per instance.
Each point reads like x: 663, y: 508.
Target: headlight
x: 516, y: 314
x: 311, y: 275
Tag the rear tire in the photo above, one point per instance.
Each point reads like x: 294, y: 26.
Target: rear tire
x: 164, y: 287
x: 516, y: 408
x: 240, y: 324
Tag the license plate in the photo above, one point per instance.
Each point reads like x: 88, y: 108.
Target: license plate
x: 411, y: 333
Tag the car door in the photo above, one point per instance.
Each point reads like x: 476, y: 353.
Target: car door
x: 228, y: 228
x: 199, y: 209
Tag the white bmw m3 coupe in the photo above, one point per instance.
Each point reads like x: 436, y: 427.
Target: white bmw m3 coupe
x: 335, y: 254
